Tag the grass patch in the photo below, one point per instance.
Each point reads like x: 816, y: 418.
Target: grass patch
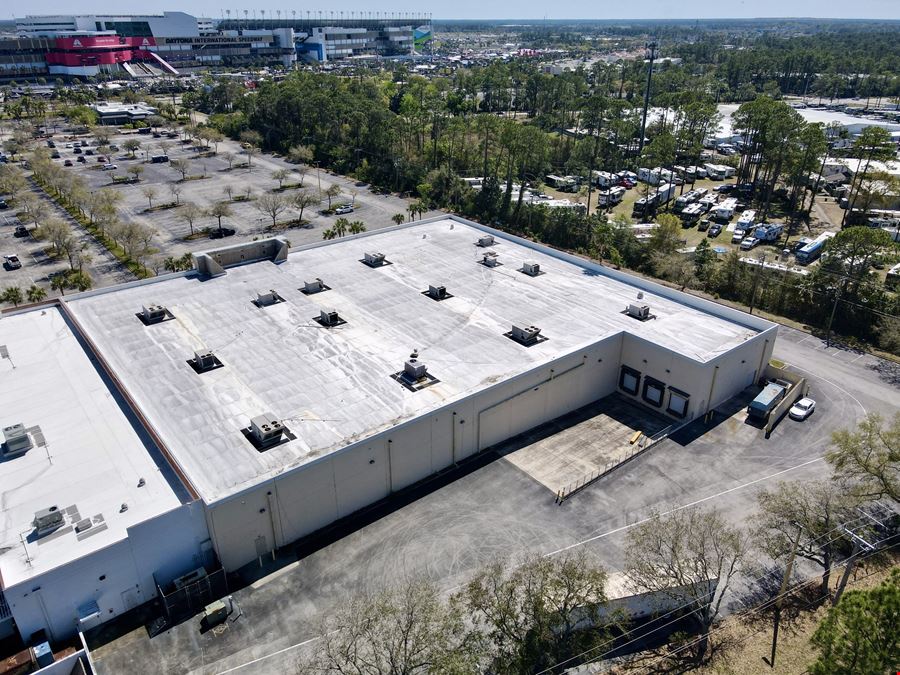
x: 241, y: 198
x: 187, y: 178
x: 197, y: 234
x: 161, y: 207
x: 288, y: 186
x: 288, y: 225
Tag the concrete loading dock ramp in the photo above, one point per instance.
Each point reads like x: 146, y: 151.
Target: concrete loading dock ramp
x: 584, y: 442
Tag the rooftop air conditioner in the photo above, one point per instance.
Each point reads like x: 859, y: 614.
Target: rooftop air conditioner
x: 329, y: 317
x: 154, y: 313
x: 266, y: 428
x: 265, y: 298
x: 373, y: 258
x: 205, y: 360
x: 486, y: 240
x: 47, y: 520
x: 414, y: 369
x: 437, y: 292
x: 16, y: 441
x: 525, y: 334
x: 490, y: 260
x: 313, y: 286
x: 532, y: 269
x: 638, y: 311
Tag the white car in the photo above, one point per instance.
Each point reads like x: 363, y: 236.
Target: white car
x: 343, y: 210
x: 802, y: 409
x: 109, y: 167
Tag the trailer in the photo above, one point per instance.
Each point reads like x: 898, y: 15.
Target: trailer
x: 664, y: 193
x: 645, y: 205
x: 814, y: 249
x: 725, y: 210
x: 691, y: 214
x: 766, y: 401
x: 562, y: 183
x: 610, y: 197
x: 714, y: 171
x: 603, y: 179
x: 747, y: 219
x: 682, y: 201
x: 768, y: 231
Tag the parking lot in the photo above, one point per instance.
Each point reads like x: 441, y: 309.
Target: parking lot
x: 209, y: 180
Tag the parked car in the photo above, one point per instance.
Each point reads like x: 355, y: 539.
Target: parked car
x: 102, y: 159
x: 82, y: 159
x: 51, y: 144
x: 3, y: 204
x: 626, y: 183
x: 714, y: 230
x: 68, y: 162
x: 749, y: 242
x: 84, y: 144
x: 76, y: 150
x: 21, y: 231
x: 89, y: 152
x: 802, y: 409
x: 109, y: 167
x: 343, y: 210
x: 11, y: 262
x: 703, y: 226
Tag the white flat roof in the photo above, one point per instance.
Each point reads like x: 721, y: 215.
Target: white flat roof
x: 334, y: 386
x: 92, y: 460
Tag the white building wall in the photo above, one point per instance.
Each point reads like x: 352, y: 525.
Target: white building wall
x: 117, y: 578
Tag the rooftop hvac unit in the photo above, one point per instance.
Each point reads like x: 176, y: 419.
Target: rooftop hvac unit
x: 313, y: 286
x: 215, y: 613
x: 532, y: 269
x: 437, y: 292
x: 373, y: 258
x: 490, y: 260
x: 153, y: 313
x: 641, y: 312
x: 205, y: 360
x: 266, y: 298
x: 328, y: 317
x: 266, y: 428
x: 414, y: 369
x: 16, y: 441
x: 525, y: 334
x: 47, y: 520
x: 486, y: 240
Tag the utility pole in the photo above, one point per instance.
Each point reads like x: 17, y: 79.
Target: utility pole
x: 762, y: 263
x: 859, y: 544
x: 837, y: 299
x: 779, y: 601
x: 651, y: 48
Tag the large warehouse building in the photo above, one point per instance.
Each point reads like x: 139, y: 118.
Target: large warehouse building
x: 280, y: 392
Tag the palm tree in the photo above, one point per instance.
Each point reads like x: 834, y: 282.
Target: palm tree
x: 13, y: 295
x: 340, y: 227
x: 356, y: 227
x: 328, y: 234
x: 59, y: 283
x: 398, y: 218
x: 35, y: 293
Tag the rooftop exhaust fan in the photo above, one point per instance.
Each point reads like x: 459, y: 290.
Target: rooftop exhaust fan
x: 373, y: 259
x: 16, y: 440
x: 205, y: 360
x: 266, y: 429
x: 314, y: 286
x: 266, y: 298
x: 437, y: 292
x: 414, y: 370
x: 47, y: 520
x: 329, y: 318
x: 490, y: 260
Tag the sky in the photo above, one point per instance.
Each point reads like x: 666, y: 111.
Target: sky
x: 503, y: 9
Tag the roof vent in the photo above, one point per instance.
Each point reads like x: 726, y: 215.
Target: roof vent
x: 532, y: 269
x: 414, y: 370
x: 151, y: 314
x: 204, y: 361
x: 16, y: 440
x: 374, y: 259
x: 437, y: 293
x: 266, y: 298
x: 47, y: 520
x: 640, y: 312
x: 490, y: 259
x: 266, y: 429
x: 485, y: 241
x: 329, y: 318
x: 314, y: 286
x: 526, y: 335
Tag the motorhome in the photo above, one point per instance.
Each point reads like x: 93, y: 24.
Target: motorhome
x: 768, y: 231
x: 682, y: 201
x: 747, y: 219
x: 814, y: 249
x: 725, y: 210
x: 691, y: 214
x: 611, y: 197
x: 562, y: 183
x: 603, y: 179
x: 664, y: 193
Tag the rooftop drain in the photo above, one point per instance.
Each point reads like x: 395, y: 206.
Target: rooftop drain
x: 314, y: 286
x: 415, y: 375
x: 266, y: 431
x: 526, y: 335
x: 532, y: 269
x: 16, y: 441
x: 490, y: 259
x: 437, y: 293
x: 374, y: 259
x: 151, y: 314
x: 204, y: 361
x: 267, y: 298
x: 328, y: 318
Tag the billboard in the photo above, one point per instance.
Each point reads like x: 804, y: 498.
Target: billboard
x: 421, y: 36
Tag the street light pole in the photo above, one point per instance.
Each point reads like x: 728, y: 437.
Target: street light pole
x: 651, y: 47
